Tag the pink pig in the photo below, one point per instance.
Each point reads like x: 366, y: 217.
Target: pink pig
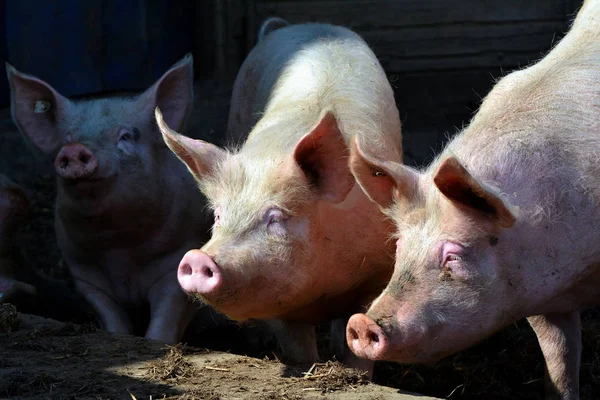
x: 503, y: 225
x: 295, y: 239
x: 126, y: 208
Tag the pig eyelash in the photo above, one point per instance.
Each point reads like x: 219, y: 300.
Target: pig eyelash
x: 449, y: 260
x: 273, y: 219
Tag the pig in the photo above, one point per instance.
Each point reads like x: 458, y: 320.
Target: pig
x: 285, y: 247
x: 14, y: 209
x: 20, y: 284
x: 502, y: 225
x: 126, y: 208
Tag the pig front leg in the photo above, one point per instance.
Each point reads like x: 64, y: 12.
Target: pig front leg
x: 298, y: 341
x: 113, y: 317
x: 559, y: 336
x: 170, y: 311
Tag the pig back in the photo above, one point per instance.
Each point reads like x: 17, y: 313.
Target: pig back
x: 296, y: 72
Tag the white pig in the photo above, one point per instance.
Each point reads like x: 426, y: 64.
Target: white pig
x: 295, y: 239
x: 504, y: 224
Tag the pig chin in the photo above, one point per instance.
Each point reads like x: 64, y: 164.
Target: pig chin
x: 93, y: 188
x: 428, y: 348
x: 255, y: 300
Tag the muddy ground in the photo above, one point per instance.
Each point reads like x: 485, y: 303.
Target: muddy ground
x: 45, y: 359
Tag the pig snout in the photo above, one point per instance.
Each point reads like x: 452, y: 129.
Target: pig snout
x: 198, y: 273
x: 366, y: 338
x: 75, y: 161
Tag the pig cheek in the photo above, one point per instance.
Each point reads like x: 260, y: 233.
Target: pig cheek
x: 126, y: 147
x: 300, y: 228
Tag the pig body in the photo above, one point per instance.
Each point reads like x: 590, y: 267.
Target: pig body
x: 295, y: 239
x: 503, y: 225
x: 126, y: 209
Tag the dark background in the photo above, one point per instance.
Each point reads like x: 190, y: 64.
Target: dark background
x: 441, y: 56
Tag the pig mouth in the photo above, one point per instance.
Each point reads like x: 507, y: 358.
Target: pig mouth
x: 230, y: 302
x: 381, y: 339
x: 91, y: 187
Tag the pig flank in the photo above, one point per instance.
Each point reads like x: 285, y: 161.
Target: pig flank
x: 503, y: 225
x: 125, y: 207
x: 313, y: 87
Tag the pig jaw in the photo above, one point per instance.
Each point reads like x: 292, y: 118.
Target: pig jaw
x: 256, y: 288
x: 398, y: 332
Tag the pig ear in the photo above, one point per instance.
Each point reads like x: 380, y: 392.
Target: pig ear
x: 172, y: 93
x: 322, y: 154
x: 36, y: 107
x: 199, y: 156
x: 383, y: 181
x: 457, y: 184
x: 269, y: 25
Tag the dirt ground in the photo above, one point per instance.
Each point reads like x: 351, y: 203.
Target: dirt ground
x: 47, y: 359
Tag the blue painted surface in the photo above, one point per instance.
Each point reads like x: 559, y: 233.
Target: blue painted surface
x: 4, y: 95
x: 84, y: 47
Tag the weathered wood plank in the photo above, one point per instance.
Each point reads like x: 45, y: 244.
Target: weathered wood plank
x: 462, y: 46
x: 232, y: 34
x: 386, y: 13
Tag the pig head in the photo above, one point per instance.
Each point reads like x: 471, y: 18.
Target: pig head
x: 283, y: 225
x: 105, y: 152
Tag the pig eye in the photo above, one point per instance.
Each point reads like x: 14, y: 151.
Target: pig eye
x: 452, y: 258
x: 128, y: 135
x: 274, y: 216
x: 452, y: 254
x: 275, y: 219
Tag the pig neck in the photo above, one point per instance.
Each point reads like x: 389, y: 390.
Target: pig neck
x: 349, y: 279
x: 534, y: 138
x: 155, y: 223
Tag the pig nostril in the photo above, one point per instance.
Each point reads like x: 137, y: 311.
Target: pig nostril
x: 373, y: 337
x: 186, y: 269
x: 84, y: 158
x: 208, y: 272
x: 64, y: 162
x: 353, y: 334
